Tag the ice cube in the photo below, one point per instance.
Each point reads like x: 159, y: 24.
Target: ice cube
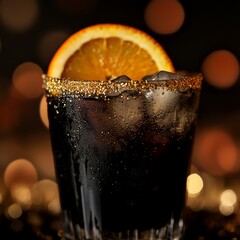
x: 162, y: 75
x: 161, y: 104
x: 161, y: 101
x: 127, y: 112
x: 171, y: 110
x: 121, y: 79
x: 167, y: 107
x: 119, y: 85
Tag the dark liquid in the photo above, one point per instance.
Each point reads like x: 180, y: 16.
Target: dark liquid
x: 117, y: 174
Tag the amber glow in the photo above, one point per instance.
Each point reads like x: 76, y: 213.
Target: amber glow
x: 164, y: 16
x: 227, y: 157
x: 27, y: 80
x: 45, y: 191
x: 45, y: 195
x: 22, y: 195
x: 20, y: 171
x: 216, y: 152
x: 54, y: 206
x: 221, y: 69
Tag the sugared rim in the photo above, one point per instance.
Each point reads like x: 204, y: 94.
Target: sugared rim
x: 87, y: 88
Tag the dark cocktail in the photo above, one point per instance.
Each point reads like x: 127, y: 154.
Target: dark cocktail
x: 122, y: 153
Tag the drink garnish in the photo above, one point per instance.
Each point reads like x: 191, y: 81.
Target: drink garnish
x: 106, y: 51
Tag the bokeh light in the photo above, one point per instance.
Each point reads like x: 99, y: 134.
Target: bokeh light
x: 215, y: 152
x: 54, y: 206
x: 227, y: 156
x: 228, y: 197
x: 228, y: 200
x: 164, y: 16
x: 43, y: 111
x: 20, y: 171
x: 9, y: 111
x: 27, y: 80
x: 226, y: 210
x: 194, y: 185
x: 14, y: 211
x: 45, y: 192
x: 18, y: 15
x: 221, y: 69
x: 208, y: 197
x: 22, y: 195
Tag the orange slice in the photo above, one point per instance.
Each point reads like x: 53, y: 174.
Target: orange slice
x: 105, y: 51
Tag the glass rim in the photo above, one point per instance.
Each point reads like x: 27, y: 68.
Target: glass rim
x: 55, y: 86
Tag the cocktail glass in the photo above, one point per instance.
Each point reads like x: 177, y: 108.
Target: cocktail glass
x: 122, y: 151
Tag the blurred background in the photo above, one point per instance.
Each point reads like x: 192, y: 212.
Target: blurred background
x: 199, y: 36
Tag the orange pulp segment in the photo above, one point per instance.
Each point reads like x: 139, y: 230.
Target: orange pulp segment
x: 105, y: 51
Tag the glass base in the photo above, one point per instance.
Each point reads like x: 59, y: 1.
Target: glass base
x: 172, y: 231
